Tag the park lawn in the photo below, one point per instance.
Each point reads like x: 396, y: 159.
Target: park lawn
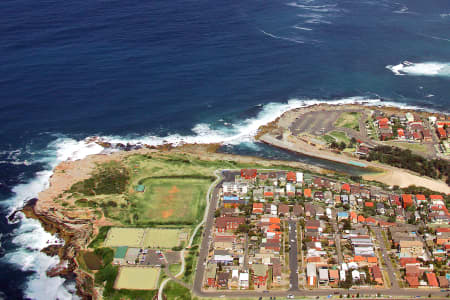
x: 421, y: 148
x: 339, y: 136
x: 137, y: 278
x: 166, y: 200
x: 348, y: 120
x: 174, y: 269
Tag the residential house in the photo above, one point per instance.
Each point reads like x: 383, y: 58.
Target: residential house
x: 311, y: 275
x: 260, y: 273
x: 222, y: 279
x: 211, y: 271
x: 224, y: 224
x: 376, y: 274
x: 249, y: 173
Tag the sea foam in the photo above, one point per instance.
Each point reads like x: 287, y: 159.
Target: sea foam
x: 30, y: 238
x: 421, y: 69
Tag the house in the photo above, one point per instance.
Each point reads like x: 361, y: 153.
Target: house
x: 311, y: 275
x: 119, y: 256
x: 211, y: 271
x: 421, y: 199
x: 356, y: 276
x: 376, y: 274
x: 310, y: 210
x: 297, y: 210
x: 442, y: 134
x: 413, y: 281
x: 244, y: 280
x: 334, y: 277
x: 224, y: 242
x: 401, y: 134
x: 307, y: 193
x: 258, y: 208
x: 299, y: 177
x: 222, y: 279
x: 249, y: 173
x: 223, y: 257
x: 224, y: 224
x: 427, y: 135
x: 283, y: 209
x: 232, y: 201
x: 345, y: 188
x: 276, y: 271
x: 404, y: 261
x: 323, y: 276
x: 407, y: 200
x: 260, y: 273
x: 443, y: 282
x: 411, y: 248
x: 432, y: 280
x: 291, y: 177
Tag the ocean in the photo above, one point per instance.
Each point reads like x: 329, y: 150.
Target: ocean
x: 189, y: 71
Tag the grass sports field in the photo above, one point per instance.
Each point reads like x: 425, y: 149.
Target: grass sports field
x: 172, y: 199
x: 137, y: 278
x: 145, y: 237
x: 131, y: 237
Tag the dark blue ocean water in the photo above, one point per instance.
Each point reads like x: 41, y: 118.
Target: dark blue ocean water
x: 167, y: 69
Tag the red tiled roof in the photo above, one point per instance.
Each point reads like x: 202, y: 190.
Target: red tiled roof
x: 368, y: 204
x: 307, y: 193
x: 436, y: 197
x: 346, y: 187
x: 408, y: 260
x: 432, y: 280
x: 420, y: 197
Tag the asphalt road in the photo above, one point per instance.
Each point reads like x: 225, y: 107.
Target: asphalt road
x: 387, y: 259
x: 337, y: 237
x: 293, y: 260
x: 207, y: 233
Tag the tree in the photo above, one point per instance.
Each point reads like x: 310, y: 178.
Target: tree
x: 342, y: 146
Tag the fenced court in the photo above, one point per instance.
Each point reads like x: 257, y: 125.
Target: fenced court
x: 118, y: 236
x: 161, y: 238
x: 137, y: 278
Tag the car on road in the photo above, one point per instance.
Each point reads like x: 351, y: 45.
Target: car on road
x: 292, y: 241
x: 290, y: 296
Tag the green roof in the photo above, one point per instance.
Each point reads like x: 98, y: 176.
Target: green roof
x: 120, y: 252
x: 140, y: 188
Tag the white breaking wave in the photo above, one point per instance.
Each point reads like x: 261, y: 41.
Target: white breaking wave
x: 30, y: 238
x: 282, y: 37
x: 302, y: 28
x: 421, y: 69
x: 244, y: 131
x: 315, y: 8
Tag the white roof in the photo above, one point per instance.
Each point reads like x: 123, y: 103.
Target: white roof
x: 342, y: 275
x: 243, y: 276
x: 323, y: 274
x: 355, y: 274
x: 235, y: 273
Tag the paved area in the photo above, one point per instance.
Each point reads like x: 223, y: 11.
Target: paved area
x: 293, y: 259
x: 315, y: 122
